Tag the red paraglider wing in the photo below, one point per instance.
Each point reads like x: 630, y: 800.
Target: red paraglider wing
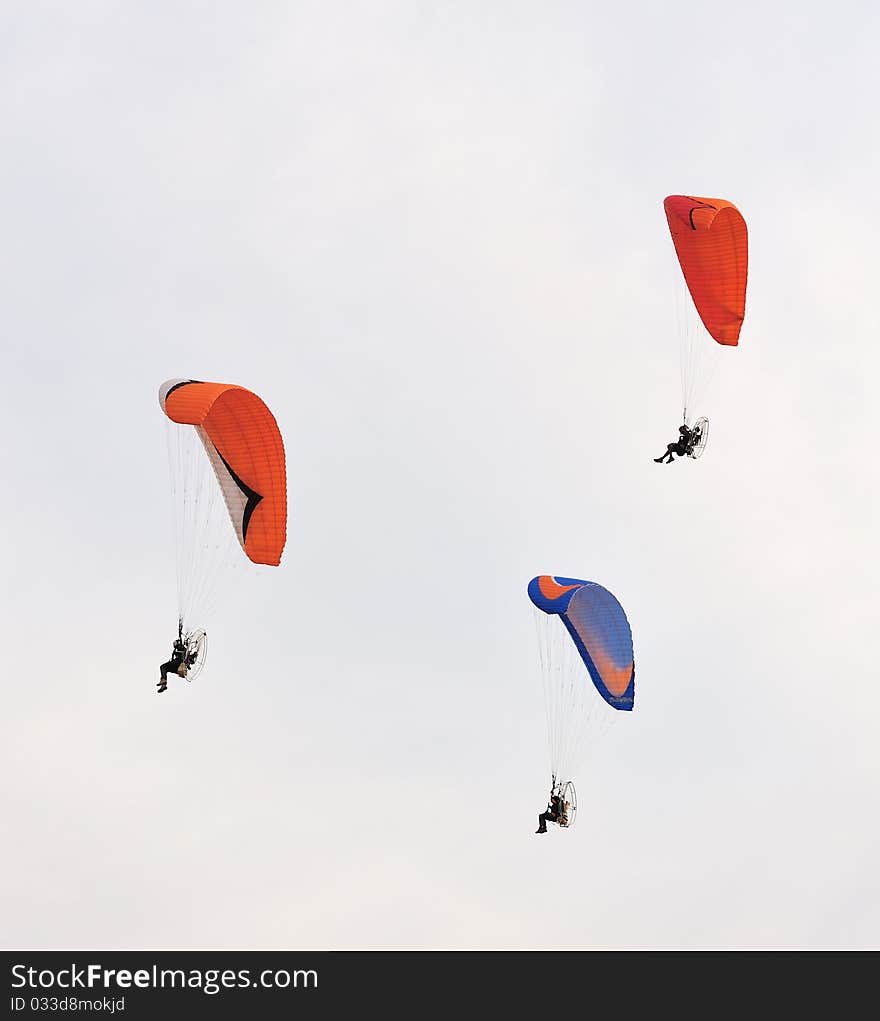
x: 711, y: 242
x: 244, y: 445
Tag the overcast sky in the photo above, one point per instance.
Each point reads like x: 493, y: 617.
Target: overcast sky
x: 431, y: 237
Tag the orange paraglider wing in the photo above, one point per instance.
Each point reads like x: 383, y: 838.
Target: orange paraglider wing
x: 243, y: 442
x: 711, y: 242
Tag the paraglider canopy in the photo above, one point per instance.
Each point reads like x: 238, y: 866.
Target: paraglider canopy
x: 599, y: 629
x: 244, y: 445
x: 711, y: 242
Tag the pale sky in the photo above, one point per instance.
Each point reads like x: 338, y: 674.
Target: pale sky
x: 431, y: 237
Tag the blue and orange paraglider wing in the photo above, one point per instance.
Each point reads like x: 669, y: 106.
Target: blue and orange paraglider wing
x: 711, y: 242
x: 599, y: 628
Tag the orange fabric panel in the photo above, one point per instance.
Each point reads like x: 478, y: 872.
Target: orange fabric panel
x: 711, y: 242
x: 189, y: 403
x: 551, y: 589
x: 247, y: 437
